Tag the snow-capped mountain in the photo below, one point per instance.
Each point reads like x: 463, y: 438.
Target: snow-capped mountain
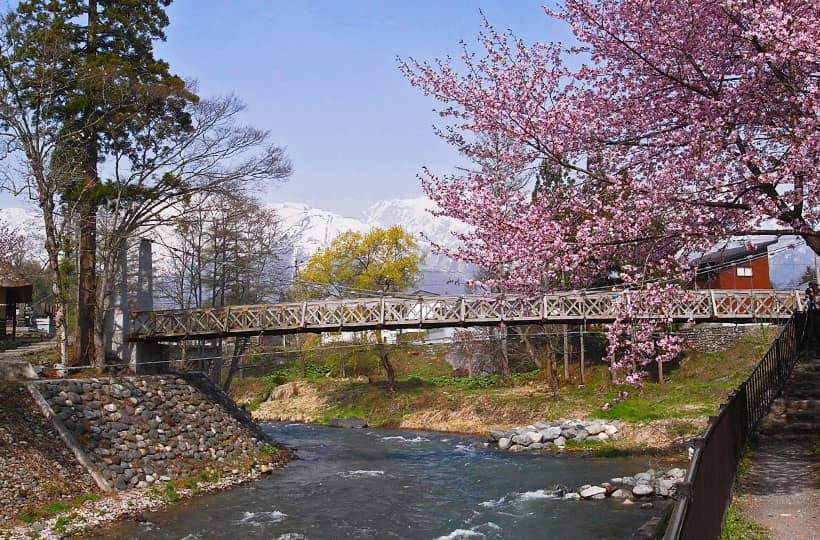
x: 312, y: 229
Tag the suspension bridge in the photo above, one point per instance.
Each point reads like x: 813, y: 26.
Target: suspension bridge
x: 425, y: 312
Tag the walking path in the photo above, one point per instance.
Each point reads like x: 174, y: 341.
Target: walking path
x: 781, y: 489
x: 14, y: 363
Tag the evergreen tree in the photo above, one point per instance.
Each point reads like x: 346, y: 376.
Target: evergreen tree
x: 110, y: 86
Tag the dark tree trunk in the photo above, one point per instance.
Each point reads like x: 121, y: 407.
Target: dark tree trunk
x: 238, y: 349
x: 505, y: 357
x: 385, y: 362
x: 87, y: 295
x: 814, y: 243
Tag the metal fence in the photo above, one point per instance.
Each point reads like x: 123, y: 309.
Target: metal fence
x: 704, y: 497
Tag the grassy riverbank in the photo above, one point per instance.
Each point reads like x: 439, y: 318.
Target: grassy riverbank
x: 658, y: 416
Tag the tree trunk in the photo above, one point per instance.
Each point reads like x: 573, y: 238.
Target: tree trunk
x: 87, y: 298
x: 566, y: 352
x: 813, y: 242
x: 552, y: 363
x: 505, y: 357
x: 61, y: 326
x: 385, y: 362
x: 523, y: 332
x: 238, y: 348
x: 582, y: 354
x: 302, y: 362
x: 52, y: 241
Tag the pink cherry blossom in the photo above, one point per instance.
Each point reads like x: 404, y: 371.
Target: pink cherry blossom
x: 685, y: 123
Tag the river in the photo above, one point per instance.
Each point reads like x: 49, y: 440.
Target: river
x: 376, y: 483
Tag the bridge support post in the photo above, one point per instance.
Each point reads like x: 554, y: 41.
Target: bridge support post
x: 118, y: 318
x: 148, y: 357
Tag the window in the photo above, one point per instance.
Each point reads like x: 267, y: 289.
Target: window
x: 744, y: 271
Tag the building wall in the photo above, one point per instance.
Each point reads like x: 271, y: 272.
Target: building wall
x: 728, y: 278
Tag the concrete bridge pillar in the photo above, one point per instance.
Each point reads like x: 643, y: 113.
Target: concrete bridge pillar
x: 118, y: 318
x: 148, y: 357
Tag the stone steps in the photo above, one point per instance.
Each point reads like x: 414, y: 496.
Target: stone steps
x: 800, y: 392
x: 804, y: 416
x: 803, y: 405
x: 795, y: 415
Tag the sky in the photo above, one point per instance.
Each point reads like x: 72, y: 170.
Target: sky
x: 322, y: 77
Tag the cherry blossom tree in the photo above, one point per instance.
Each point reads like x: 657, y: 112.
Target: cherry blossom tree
x: 674, y: 123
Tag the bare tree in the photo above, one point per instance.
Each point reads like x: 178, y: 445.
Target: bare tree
x: 227, y: 250
x: 171, y: 176
x: 12, y: 245
x: 30, y: 89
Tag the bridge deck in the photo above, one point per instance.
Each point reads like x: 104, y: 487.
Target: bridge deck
x: 450, y: 311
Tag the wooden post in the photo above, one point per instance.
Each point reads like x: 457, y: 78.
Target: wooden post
x: 566, y: 351
x: 582, y: 355
x: 660, y: 371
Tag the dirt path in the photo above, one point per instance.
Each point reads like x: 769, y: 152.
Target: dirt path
x: 780, y: 490
x: 29, y: 349
x: 14, y: 363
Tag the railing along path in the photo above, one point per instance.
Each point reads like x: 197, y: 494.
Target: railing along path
x: 448, y: 311
x: 703, y: 499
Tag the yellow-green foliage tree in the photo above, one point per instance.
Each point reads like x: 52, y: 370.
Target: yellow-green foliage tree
x: 383, y: 261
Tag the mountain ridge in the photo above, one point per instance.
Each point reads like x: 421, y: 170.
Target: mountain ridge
x: 310, y: 229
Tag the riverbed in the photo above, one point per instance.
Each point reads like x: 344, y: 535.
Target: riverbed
x: 375, y: 483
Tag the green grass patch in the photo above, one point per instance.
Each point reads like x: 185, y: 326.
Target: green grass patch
x: 170, y: 494
x: 470, y: 383
x: 738, y: 527
x: 35, y: 513
x: 270, y: 452
x: 606, y: 448
x: 62, y: 523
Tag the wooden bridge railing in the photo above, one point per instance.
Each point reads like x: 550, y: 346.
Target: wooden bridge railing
x: 443, y: 311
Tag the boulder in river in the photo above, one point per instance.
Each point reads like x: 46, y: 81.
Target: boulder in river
x: 592, y: 491
x: 621, y: 494
x: 353, y: 422
x: 498, y: 434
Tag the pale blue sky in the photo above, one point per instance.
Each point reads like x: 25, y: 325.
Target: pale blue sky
x: 322, y: 77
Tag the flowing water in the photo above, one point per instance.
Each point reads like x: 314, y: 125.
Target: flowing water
x: 375, y: 483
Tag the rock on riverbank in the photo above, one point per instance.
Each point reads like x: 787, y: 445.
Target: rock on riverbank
x: 543, y: 435
x: 642, y: 485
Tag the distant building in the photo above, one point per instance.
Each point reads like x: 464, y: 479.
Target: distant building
x: 735, y: 268
x: 14, y: 291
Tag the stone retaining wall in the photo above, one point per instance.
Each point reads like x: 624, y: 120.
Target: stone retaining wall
x: 715, y: 338
x: 139, y: 430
